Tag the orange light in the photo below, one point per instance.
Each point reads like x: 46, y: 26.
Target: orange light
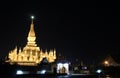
x: 106, y: 62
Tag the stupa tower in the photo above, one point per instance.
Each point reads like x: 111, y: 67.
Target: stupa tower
x: 31, y: 36
x: 31, y: 46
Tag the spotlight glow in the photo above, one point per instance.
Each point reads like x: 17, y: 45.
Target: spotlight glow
x: 19, y: 72
x: 99, y: 71
x: 32, y: 17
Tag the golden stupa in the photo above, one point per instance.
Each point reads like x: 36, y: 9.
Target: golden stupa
x: 31, y: 54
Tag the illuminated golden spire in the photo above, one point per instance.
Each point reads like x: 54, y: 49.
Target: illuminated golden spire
x: 31, y: 36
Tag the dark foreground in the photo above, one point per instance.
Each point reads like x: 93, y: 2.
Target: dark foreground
x: 51, y: 76
x: 58, y: 76
x: 7, y: 71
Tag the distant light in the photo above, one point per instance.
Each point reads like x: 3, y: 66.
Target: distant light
x: 19, y: 72
x: 43, y: 71
x: 99, y: 71
x: 106, y: 62
x: 32, y: 17
x: 84, y: 67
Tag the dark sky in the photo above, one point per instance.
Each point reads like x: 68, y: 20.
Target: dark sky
x: 87, y: 30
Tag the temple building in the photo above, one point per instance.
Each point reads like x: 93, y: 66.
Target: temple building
x: 31, y: 54
x: 110, y: 61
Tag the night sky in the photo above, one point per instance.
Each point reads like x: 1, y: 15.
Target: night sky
x: 86, y: 30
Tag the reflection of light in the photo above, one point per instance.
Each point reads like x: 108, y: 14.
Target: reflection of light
x: 107, y: 76
x: 66, y: 76
x: 19, y: 72
x: 99, y: 71
x: 41, y: 72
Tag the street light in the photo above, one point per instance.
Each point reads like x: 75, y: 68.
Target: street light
x: 99, y: 71
x: 106, y: 63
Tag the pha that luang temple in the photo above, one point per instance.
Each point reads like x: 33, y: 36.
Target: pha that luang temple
x: 31, y: 54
